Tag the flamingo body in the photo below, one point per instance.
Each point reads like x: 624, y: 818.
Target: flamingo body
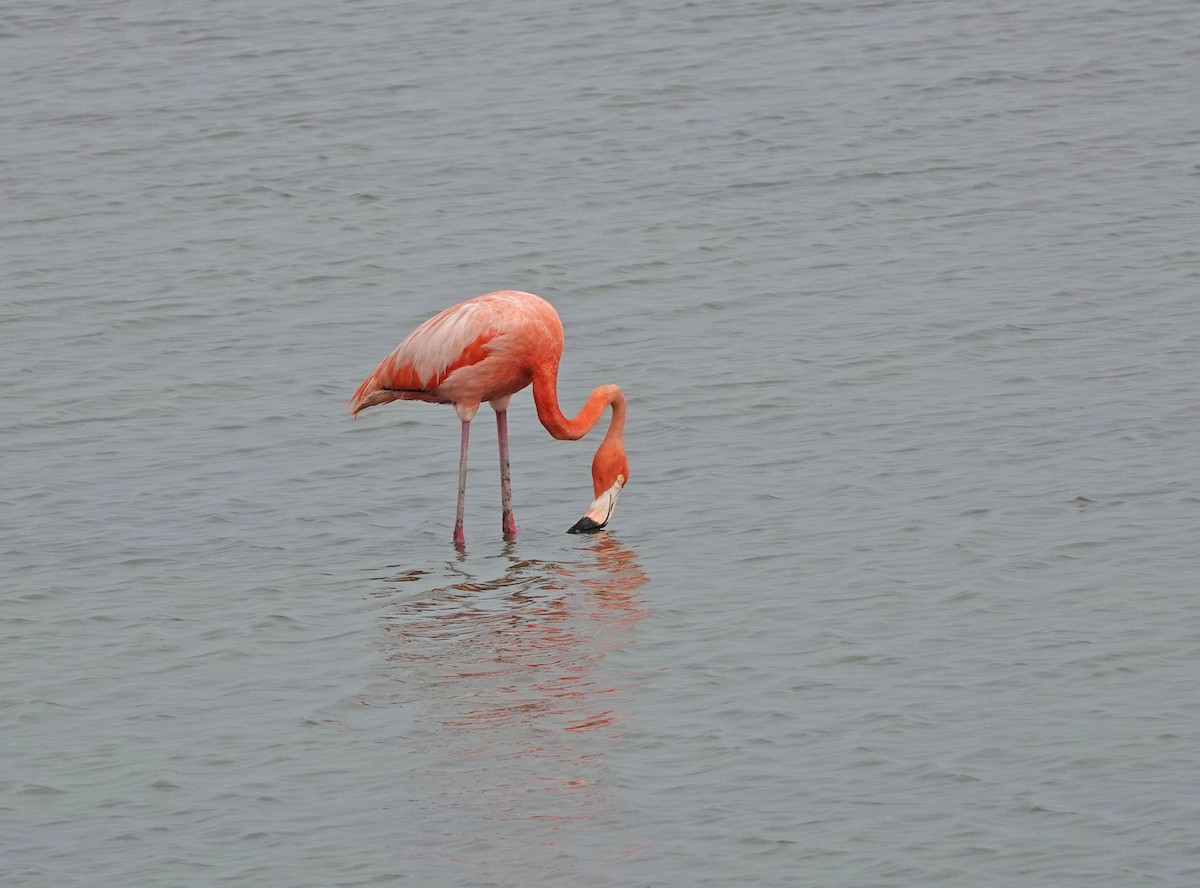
x: 485, y: 350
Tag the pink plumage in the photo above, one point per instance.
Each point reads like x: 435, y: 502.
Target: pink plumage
x: 488, y: 349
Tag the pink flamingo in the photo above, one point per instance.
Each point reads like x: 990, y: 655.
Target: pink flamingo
x: 487, y: 349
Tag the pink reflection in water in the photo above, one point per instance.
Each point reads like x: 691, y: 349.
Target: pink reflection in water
x: 521, y: 700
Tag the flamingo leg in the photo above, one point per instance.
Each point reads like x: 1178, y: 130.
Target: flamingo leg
x: 460, y: 539
x: 508, y: 524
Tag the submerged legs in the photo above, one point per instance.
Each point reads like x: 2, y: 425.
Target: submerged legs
x: 460, y: 539
x: 508, y: 524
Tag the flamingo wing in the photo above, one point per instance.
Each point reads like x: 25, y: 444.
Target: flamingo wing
x: 480, y: 350
x: 455, y: 338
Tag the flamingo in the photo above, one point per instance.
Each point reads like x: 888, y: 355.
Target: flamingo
x: 487, y: 349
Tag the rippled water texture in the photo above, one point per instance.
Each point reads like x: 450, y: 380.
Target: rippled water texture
x: 902, y: 590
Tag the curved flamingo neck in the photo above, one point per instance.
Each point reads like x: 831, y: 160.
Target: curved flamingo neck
x: 545, y: 398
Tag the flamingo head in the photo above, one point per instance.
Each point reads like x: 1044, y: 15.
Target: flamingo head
x: 610, y: 473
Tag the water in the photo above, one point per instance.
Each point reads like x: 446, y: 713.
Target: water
x: 901, y: 591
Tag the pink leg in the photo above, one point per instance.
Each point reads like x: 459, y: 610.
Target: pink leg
x: 460, y: 539
x: 508, y: 524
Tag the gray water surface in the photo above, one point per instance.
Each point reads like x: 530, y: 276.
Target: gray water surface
x: 901, y: 592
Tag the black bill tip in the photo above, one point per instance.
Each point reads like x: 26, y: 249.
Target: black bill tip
x: 585, y: 525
